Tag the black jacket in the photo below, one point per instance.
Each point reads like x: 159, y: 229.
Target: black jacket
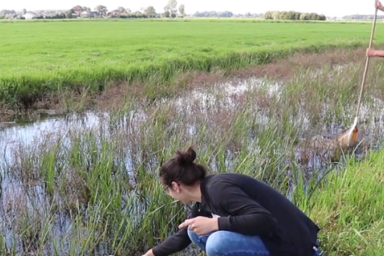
x: 251, y: 207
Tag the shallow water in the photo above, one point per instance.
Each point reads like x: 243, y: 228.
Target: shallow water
x: 221, y: 97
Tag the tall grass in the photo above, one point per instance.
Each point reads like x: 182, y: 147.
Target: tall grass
x: 347, y: 205
x: 92, y: 189
x: 53, y: 57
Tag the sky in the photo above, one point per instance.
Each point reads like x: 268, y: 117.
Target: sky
x: 335, y: 8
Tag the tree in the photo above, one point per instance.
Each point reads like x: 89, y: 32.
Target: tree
x: 87, y: 9
x: 122, y: 10
x: 211, y: 14
x: 139, y: 14
x: 182, y: 10
x: 77, y: 10
x: 171, y: 7
x: 268, y: 15
x: 166, y: 14
x: 101, y: 9
x: 304, y: 16
x: 68, y: 14
x: 150, y: 12
x: 275, y: 15
x: 225, y: 14
x: 24, y: 11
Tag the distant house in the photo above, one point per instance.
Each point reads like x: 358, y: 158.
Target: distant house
x: 86, y: 14
x: 30, y: 15
x: 95, y: 14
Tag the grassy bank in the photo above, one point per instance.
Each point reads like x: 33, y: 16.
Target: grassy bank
x: 348, y: 207
x: 44, y: 57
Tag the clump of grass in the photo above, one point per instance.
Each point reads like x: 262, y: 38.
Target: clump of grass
x: 347, y: 206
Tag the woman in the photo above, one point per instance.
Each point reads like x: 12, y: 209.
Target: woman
x: 371, y: 52
x: 234, y: 214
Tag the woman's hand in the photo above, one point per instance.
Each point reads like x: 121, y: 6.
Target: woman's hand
x: 378, y: 5
x: 201, y: 225
x: 149, y: 253
x: 371, y: 52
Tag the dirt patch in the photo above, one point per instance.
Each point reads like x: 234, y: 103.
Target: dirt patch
x: 117, y: 92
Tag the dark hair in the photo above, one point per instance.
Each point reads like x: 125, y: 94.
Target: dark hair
x: 181, y: 168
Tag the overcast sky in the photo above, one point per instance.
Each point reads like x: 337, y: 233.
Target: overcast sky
x: 326, y: 7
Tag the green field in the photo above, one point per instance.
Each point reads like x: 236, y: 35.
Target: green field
x: 39, y: 57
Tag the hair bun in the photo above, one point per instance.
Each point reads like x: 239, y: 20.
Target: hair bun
x: 185, y: 157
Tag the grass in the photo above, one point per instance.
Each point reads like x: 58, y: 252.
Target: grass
x: 52, y: 57
x: 94, y: 190
x: 348, y: 207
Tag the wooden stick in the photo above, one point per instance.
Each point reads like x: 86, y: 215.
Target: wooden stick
x: 366, y: 68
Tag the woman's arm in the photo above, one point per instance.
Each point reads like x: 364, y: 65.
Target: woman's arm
x: 172, y: 244
x: 371, y: 52
x: 179, y: 240
x: 246, y: 215
x: 379, y: 6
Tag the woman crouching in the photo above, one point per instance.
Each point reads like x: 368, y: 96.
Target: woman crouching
x: 233, y: 214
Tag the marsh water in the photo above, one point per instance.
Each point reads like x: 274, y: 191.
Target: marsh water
x: 212, y: 103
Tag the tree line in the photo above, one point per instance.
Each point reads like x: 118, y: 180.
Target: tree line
x: 292, y: 15
x: 362, y: 17
x: 171, y: 10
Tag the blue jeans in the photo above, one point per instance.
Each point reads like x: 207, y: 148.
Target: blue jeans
x: 228, y: 243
